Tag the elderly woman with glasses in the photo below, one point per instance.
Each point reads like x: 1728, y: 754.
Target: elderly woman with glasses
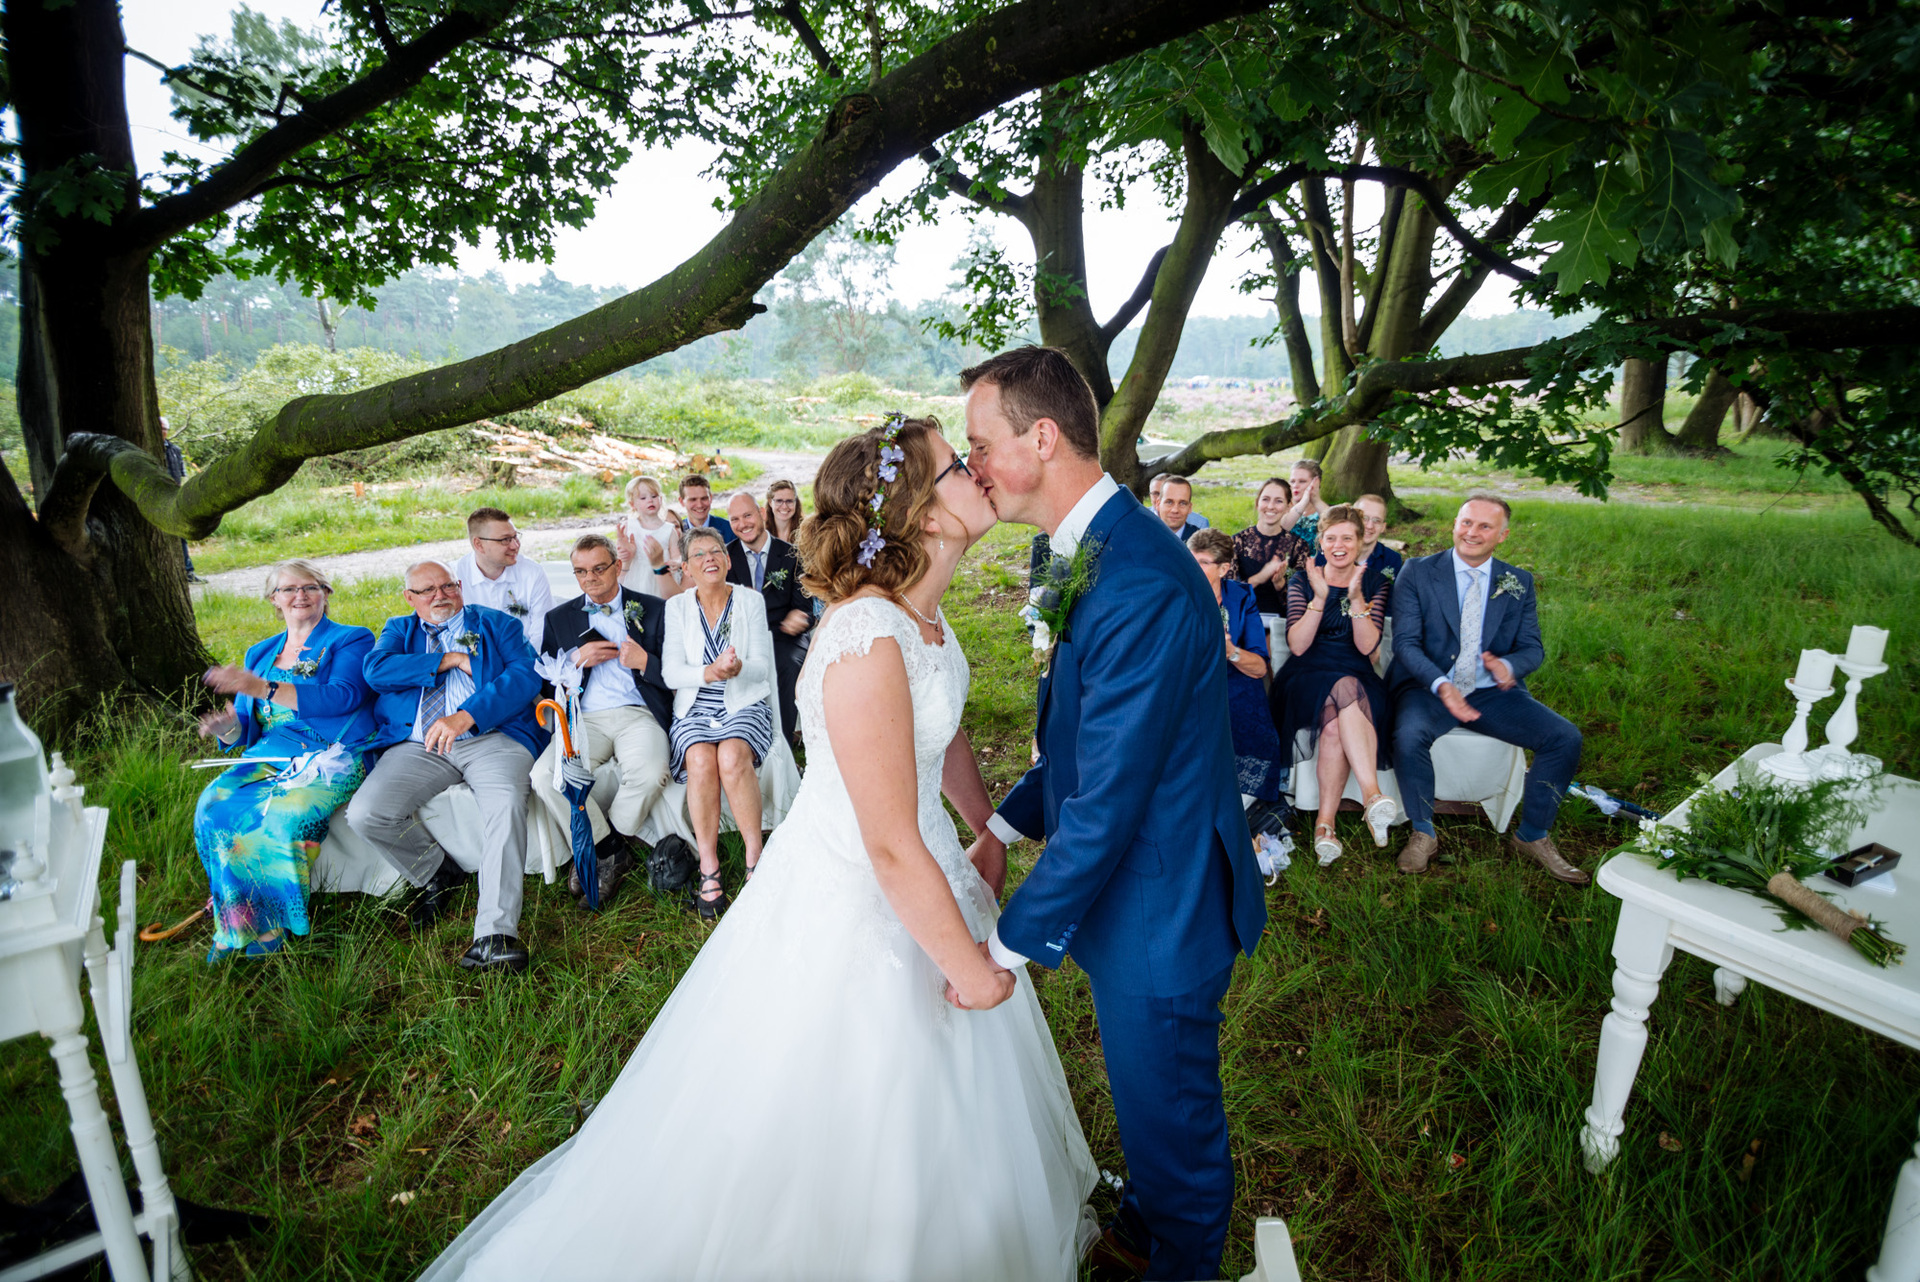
x: 717, y: 655
x: 302, y: 714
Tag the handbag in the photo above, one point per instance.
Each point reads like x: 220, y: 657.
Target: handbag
x: 671, y: 864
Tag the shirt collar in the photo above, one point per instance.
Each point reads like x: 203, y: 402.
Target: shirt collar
x: 453, y: 624
x: 1081, y: 514
x: 1461, y: 567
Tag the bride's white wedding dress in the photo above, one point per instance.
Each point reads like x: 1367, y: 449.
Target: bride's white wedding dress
x: 807, y: 1105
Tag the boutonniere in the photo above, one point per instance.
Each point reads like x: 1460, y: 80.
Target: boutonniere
x: 1050, y: 603
x: 471, y: 640
x: 515, y: 606
x: 777, y: 579
x: 1509, y: 585
x: 636, y: 615
x: 308, y: 667
x: 1387, y: 572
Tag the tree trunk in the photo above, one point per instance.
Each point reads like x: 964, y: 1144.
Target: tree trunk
x: 1701, y: 431
x: 1643, y: 406
x: 1055, y: 217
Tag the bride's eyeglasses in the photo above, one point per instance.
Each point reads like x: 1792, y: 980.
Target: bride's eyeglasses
x: 959, y: 461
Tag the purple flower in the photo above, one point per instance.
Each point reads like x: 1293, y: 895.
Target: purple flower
x: 892, y: 454
x: 889, y: 471
x: 870, y: 547
x: 876, y: 501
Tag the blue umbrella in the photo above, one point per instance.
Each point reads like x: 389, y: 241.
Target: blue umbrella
x: 576, y: 781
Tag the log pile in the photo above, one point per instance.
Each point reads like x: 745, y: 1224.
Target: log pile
x: 529, y: 453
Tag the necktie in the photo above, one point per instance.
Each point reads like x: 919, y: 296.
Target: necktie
x: 759, y: 571
x: 1466, y: 667
x: 433, y: 704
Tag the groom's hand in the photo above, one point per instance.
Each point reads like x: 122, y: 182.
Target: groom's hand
x: 998, y: 987
x: 989, y: 854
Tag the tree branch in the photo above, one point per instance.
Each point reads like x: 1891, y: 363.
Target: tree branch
x: 1013, y: 204
x: 1141, y: 296
x: 1513, y: 220
x: 797, y: 18
x: 179, y: 73
x: 1286, y: 300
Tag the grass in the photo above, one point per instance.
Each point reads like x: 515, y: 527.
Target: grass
x: 1406, y: 1060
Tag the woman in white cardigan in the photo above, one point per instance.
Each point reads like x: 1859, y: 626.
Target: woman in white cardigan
x: 717, y: 655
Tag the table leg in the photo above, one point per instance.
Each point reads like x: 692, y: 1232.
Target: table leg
x: 1900, y: 1250
x: 1641, y: 954
x: 1728, y: 985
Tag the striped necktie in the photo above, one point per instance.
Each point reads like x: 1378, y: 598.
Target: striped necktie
x: 433, y: 704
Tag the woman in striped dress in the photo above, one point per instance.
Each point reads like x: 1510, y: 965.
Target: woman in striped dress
x: 718, y: 658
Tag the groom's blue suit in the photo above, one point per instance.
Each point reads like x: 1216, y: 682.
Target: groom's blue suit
x: 1148, y: 879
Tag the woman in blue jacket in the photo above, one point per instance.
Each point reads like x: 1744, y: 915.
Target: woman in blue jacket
x: 303, y: 715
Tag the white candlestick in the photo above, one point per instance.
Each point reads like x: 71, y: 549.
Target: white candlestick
x: 1816, y: 669
x: 1867, y: 645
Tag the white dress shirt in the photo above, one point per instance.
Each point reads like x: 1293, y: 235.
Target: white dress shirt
x: 459, y: 685
x: 609, y: 684
x: 1463, y: 577
x: 521, y: 590
x: 1064, y: 542
x: 757, y: 560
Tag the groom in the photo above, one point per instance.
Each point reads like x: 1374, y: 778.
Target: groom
x: 1148, y: 879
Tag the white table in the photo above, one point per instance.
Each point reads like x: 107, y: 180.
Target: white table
x: 1742, y: 934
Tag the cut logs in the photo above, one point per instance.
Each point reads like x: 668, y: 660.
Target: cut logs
x: 530, y: 452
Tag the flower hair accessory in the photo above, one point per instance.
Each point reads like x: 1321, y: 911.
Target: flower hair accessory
x: 891, y: 457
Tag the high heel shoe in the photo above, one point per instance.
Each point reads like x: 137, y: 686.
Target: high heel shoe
x: 1380, y: 814
x: 1326, y: 846
x: 709, y: 910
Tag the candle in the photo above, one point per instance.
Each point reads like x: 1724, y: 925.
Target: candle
x: 1867, y: 645
x: 1816, y: 670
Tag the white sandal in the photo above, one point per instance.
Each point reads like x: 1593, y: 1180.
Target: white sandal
x: 1326, y: 846
x: 1380, y: 814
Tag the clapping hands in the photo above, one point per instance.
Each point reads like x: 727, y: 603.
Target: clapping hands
x: 1317, y: 578
x: 726, y: 667
x: 218, y: 725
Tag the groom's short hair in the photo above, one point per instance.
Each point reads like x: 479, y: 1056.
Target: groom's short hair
x: 1037, y: 383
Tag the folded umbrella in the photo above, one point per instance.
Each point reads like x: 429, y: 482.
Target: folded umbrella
x: 575, y: 781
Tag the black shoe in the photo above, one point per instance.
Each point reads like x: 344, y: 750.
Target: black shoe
x: 708, y: 910
x: 496, y: 952
x: 429, y: 902
x: 614, y: 863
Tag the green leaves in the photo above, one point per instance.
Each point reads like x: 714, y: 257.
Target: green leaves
x: 1680, y: 198
x: 1593, y: 238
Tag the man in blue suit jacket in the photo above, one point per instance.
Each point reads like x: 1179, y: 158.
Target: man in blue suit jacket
x: 455, y: 687
x: 1466, y: 634
x: 1148, y: 879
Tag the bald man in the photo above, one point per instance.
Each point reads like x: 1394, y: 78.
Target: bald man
x: 769, y: 566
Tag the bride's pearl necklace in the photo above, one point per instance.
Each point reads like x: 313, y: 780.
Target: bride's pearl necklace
x: 932, y: 623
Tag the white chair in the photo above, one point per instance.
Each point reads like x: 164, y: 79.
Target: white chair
x: 1468, y: 769
x: 1272, y: 1252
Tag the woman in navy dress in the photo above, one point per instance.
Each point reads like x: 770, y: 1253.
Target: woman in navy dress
x: 1329, y: 704
x: 1256, y: 748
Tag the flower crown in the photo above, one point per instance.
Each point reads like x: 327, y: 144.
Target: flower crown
x: 891, y: 457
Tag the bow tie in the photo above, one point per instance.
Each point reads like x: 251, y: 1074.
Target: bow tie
x: 595, y: 607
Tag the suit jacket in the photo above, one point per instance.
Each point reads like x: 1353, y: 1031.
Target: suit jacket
x: 1148, y: 879
x: 685, y: 643
x: 336, y: 706
x: 783, y: 563
x: 567, y: 628
x: 1426, y: 623
x: 718, y: 523
x: 504, y: 682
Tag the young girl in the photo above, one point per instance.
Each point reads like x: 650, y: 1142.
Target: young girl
x: 649, y: 545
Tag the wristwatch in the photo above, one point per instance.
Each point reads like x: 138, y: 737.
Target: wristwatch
x: 661, y: 569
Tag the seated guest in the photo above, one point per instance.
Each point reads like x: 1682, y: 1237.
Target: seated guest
x: 300, y: 694
x: 455, y: 685
x: 1265, y: 554
x: 757, y: 560
x: 614, y: 634
x: 1303, y: 517
x: 1153, y: 499
x: 1466, y: 636
x: 696, y: 495
x: 648, y: 543
x: 1328, y: 702
x: 493, y: 575
x: 1374, y: 554
x: 1256, y: 748
x: 1176, y: 507
x: 718, y: 656
x: 784, y: 512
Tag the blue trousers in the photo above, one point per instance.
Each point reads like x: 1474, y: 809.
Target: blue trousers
x: 1163, y: 1065
x: 1511, y: 716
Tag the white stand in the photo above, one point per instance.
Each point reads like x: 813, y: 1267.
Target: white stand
x: 1641, y: 953
x: 1794, y: 763
x: 1900, y: 1250
x: 1833, y: 759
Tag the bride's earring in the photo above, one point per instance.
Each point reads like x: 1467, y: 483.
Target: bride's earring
x: 943, y: 545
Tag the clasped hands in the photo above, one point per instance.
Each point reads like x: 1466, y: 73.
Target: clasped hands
x: 594, y: 653
x: 1499, y: 669
x: 724, y: 668
x: 982, y: 992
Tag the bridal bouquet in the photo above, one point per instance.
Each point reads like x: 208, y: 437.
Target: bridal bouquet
x: 1765, y: 836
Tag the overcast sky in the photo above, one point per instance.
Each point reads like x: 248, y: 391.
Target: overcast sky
x: 661, y: 211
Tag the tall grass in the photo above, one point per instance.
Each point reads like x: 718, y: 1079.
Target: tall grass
x: 1405, y: 1059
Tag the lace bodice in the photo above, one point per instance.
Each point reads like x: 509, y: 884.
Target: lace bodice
x: 937, y: 678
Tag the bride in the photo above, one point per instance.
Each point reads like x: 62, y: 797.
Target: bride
x: 842, y: 1086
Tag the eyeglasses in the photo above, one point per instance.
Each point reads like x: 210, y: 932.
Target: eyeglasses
x: 438, y: 589
x: 301, y: 589
x: 959, y: 461
x: 592, y: 571
x: 714, y: 555
x: 511, y: 538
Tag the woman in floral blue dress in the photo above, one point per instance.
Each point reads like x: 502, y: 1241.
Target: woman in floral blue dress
x: 302, y: 712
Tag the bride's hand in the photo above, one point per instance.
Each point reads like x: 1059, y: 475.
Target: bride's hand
x: 982, y: 987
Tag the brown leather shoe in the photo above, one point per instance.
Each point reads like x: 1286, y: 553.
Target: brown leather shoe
x: 1547, y: 855
x: 1111, y: 1260
x: 1420, y: 849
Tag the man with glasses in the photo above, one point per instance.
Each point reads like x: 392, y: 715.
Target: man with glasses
x: 454, y: 688
x: 757, y: 560
x: 614, y: 633
x: 493, y: 574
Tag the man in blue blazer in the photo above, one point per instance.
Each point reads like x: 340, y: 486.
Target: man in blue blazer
x: 1148, y: 880
x: 454, y: 686
x: 1466, y: 634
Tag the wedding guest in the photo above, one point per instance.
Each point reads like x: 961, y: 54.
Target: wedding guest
x: 455, y: 687
x: 769, y: 566
x: 696, y: 496
x: 614, y: 633
x: 177, y: 469
x: 1466, y: 637
x: 1256, y: 747
x: 1374, y: 554
x: 1329, y: 704
x: 300, y: 694
x: 648, y: 543
x: 1153, y: 499
x: 1176, y: 507
x: 718, y: 656
x: 1308, y: 509
x: 493, y: 575
x: 784, y: 511
x: 1265, y: 553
